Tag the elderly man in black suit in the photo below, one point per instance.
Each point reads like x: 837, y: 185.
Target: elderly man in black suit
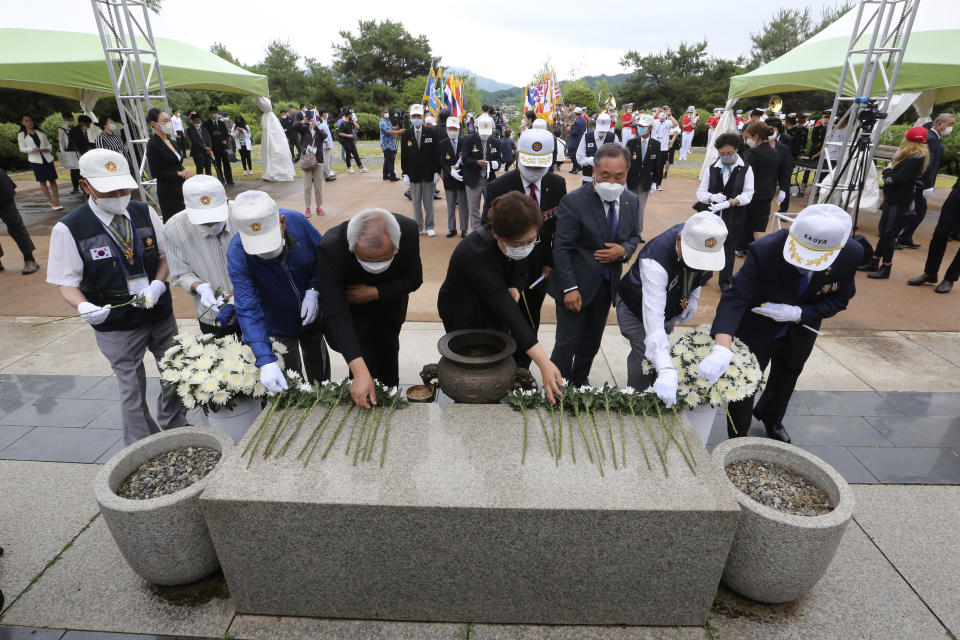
x: 201, y: 147
x: 942, y: 126
x: 598, y: 229
x: 645, y: 170
x: 450, y: 148
x: 220, y: 137
x: 367, y: 268
x: 790, y: 281
x: 532, y: 177
x: 420, y: 164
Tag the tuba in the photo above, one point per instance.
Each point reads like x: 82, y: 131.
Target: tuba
x: 776, y: 104
x: 610, y: 102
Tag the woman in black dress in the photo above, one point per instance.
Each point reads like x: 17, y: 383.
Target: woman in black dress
x: 898, y: 182
x: 484, y: 277
x: 764, y: 161
x: 166, y: 164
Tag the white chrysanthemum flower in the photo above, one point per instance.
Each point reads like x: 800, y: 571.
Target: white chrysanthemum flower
x: 716, y: 398
x: 202, y: 397
x: 292, y: 374
x: 209, y: 385
x: 146, y: 300
x: 677, y: 363
x: 306, y: 388
x: 189, y: 402
x: 195, y: 350
x: 184, y: 390
x: 170, y: 375
x: 279, y: 348
x: 248, y: 356
x: 211, y: 351
x: 234, y: 381
x: 627, y: 390
x: 204, y: 364
x: 691, y: 400
x: 172, y: 351
x: 259, y: 390
x: 647, y: 366
x: 221, y: 398
x: 197, y: 377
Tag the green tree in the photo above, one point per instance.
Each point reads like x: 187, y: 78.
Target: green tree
x: 286, y: 79
x: 321, y: 85
x: 381, y: 52
x: 602, y: 92
x: 413, y: 90
x: 789, y: 28
x: 220, y: 50
x: 579, y: 93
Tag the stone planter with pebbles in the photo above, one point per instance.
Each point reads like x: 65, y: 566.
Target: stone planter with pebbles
x: 160, y: 527
x: 777, y: 554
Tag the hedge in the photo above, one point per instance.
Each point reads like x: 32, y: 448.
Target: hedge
x: 10, y: 156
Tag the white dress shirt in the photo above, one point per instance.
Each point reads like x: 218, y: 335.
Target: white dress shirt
x: 526, y: 187
x: 653, y: 277
x: 328, y: 142
x: 703, y: 192
x: 661, y: 132
x: 177, y: 123
x: 64, y: 264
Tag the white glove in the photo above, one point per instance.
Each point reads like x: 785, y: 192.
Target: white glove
x: 157, y: 288
x: 718, y: 197
x: 208, y: 298
x: 309, y: 307
x: 665, y: 386
x: 928, y: 192
x: 720, y: 206
x: 494, y: 165
x: 436, y: 178
x: 778, y: 312
x: 715, y: 364
x: 93, y: 314
x: 455, y: 174
x: 781, y: 196
x: 653, y: 187
x: 406, y: 180
x: 688, y: 313
x: 271, y: 377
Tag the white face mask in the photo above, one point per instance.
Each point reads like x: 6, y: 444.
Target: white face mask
x: 751, y: 142
x: 167, y: 128
x: 609, y: 191
x: 269, y: 255
x: 211, y: 230
x: 948, y: 131
x: 533, y: 174
x: 375, y: 267
x: 115, y: 206
x: 113, y: 127
x: 453, y: 133
x: 417, y: 122
x: 519, y: 253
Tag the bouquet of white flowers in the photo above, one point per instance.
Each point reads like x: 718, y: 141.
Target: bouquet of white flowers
x: 212, y: 373
x: 742, y: 379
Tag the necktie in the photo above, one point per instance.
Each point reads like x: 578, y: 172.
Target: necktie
x: 612, y: 221
x: 122, y: 232
x: 533, y: 192
x: 418, y: 138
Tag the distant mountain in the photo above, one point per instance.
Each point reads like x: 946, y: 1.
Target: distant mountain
x: 483, y: 84
x: 507, y: 94
x: 612, y: 81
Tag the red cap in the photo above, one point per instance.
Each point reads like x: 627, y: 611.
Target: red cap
x: 916, y: 134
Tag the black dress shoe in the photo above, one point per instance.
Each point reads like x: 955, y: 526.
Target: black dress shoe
x: 406, y: 195
x: 882, y: 273
x: 898, y: 247
x: 944, y: 287
x: 333, y: 179
x: 450, y: 234
x: 778, y: 433
x: 919, y: 281
x: 394, y: 179
x: 463, y: 234
x: 911, y: 245
x: 642, y: 241
x: 873, y: 265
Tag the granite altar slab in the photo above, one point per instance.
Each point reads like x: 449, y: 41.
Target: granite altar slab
x: 453, y: 528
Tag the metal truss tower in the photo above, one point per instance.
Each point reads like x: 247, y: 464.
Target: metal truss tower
x: 131, y: 54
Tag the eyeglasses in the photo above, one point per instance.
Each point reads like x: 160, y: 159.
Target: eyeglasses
x: 520, y: 245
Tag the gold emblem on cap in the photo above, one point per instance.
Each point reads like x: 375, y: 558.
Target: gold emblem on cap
x: 710, y: 243
x: 110, y: 166
x: 537, y: 146
x: 255, y: 227
x: 204, y: 200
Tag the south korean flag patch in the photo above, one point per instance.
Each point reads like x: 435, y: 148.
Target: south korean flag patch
x: 100, y: 253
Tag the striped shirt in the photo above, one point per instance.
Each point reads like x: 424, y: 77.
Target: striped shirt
x: 110, y: 141
x: 194, y: 257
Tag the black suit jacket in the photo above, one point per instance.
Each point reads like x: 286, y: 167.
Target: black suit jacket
x: 472, y: 152
x: 552, y: 190
x: 79, y: 142
x: 766, y: 277
x: 581, y: 229
x: 199, y: 139
x: 645, y: 171
x: 448, y: 158
x: 163, y: 163
x: 337, y: 268
x: 935, y: 145
x: 784, y: 166
x: 218, y: 134
x: 420, y: 163
x: 765, y: 161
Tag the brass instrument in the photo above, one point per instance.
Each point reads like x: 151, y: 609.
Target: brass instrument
x: 610, y: 102
x: 776, y: 104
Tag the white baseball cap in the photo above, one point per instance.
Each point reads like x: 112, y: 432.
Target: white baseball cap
x: 690, y: 109
x: 603, y: 122
x: 578, y: 110
x: 816, y: 237
x: 416, y: 109
x: 701, y: 241
x: 453, y: 122
x: 205, y: 200
x: 106, y: 170
x: 645, y: 120
x: 257, y: 218
x: 484, y: 124
x: 430, y: 120
x: 535, y: 148
x: 539, y: 124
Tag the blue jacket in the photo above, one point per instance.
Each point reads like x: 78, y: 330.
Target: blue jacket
x: 268, y: 293
x: 577, y: 129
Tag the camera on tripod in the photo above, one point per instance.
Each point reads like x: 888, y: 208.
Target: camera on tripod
x: 869, y: 114
x: 399, y: 118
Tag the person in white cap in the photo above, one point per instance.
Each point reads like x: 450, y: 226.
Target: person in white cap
x: 661, y: 290
x: 450, y: 149
x: 272, y: 262
x: 687, y: 127
x: 481, y: 160
x: 591, y: 142
x: 102, y: 254
x: 644, y: 150
x: 197, y: 239
x: 420, y: 164
x: 661, y: 132
x: 790, y: 281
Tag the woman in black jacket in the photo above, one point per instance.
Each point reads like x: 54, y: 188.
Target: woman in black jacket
x: 166, y: 164
x: 765, y: 162
x: 898, y: 182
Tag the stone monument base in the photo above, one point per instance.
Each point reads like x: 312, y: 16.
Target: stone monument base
x: 454, y: 528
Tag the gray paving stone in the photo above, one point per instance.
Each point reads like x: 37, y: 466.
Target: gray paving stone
x: 43, y: 506
x: 861, y: 596
x: 902, y: 465
x: 92, y: 588
x: 846, y: 403
x: 10, y: 404
x: 117, y: 446
x: 109, y: 419
x: 918, y: 528
x: 53, y: 444
x: 9, y: 435
x: 834, y: 431
x: 100, y: 635
x: 573, y: 632
x: 919, y: 432
x: 55, y: 412
x: 944, y: 405
x: 43, y: 386
x: 248, y: 627
x: 844, y: 462
x: 107, y: 389
x: 30, y: 633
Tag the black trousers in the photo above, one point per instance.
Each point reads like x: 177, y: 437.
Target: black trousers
x: 910, y: 223
x: 579, y: 336
x: 350, y: 149
x: 770, y: 408
x: 892, y: 220
x: 245, y: 160
x: 946, y: 225
x: 75, y: 178
x: 222, y: 165
x: 17, y: 230
x: 734, y: 221
x: 315, y: 362
x: 389, y: 161
x: 203, y: 164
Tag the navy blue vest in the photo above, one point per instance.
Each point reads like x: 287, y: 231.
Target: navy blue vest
x: 591, y: 148
x: 681, y: 280
x: 105, y: 278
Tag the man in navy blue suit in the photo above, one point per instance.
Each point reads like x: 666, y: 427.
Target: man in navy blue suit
x: 790, y: 281
x: 577, y: 129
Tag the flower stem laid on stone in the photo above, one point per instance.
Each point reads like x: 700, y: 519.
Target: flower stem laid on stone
x: 336, y: 433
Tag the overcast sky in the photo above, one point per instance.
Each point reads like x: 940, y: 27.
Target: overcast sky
x: 505, y: 41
